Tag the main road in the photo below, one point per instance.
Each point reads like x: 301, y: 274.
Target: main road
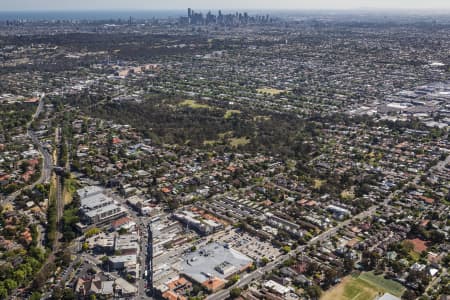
x: 257, y: 274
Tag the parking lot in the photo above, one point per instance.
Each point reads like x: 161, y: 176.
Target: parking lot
x: 249, y: 245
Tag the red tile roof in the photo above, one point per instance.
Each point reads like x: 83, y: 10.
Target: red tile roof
x: 214, y: 284
x: 170, y: 295
x: 427, y: 200
x: 119, y: 222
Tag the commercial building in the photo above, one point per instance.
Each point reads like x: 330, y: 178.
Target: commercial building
x: 276, y: 288
x: 127, y: 244
x: 196, y: 222
x: 98, y: 208
x: 213, y: 264
x: 124, y: 263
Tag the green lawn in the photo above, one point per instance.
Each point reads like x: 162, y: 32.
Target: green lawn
x: 389, y: 286
x: 229, y: 113
x: 225, y: 134
x: 414, y: 255
x: 347, y: 195
x: 318, y: 183
x: 359, y: 290
x: 210, y: 142
x: 270, y: 91
x: 235, y: 142
x: 227, y: 137
x: 194, y: 104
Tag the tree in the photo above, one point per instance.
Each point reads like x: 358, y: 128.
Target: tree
x: 122, y: 231
x: 286, y: 249
x: 39, y: 280
x: 396, y: 266
x: 330, y: 277
x: 234, y: 279
x: 36, y: 296
x: 10, y: 284
x: 19, y: 275
x: 312, y: 268
x: 66, y: 257
x: 24, y: 166
x: 57, y: 294
x: 3, y: 292
x: 85, y: 246
x: 348, y: 265
x: 436, y: 236
x: 91, y: 232
x: 68, y: 294
x: 409, y: 295
x: 370, y: 259
x: 235, y: 292
x: 314, y: 291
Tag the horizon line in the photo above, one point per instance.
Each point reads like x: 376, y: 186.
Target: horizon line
x: 364, y: 9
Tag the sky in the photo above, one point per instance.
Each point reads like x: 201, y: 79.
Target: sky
x: 28, y: 5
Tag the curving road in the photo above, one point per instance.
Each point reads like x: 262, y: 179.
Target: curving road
x: 47, y: 165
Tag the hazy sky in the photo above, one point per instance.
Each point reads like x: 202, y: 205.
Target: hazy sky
x: 224, y: 4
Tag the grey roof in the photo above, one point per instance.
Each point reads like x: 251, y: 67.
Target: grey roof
x: 123, y: 258
x: 200, y: 265
x: 110, y: 208
x: 96, y: 201
x: 89, y: 191
x: 126, y: 286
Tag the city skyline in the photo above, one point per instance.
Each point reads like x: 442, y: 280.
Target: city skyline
x: 42, y: 5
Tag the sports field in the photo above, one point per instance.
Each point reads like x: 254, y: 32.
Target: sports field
x: 380, y: 282
x: 364, y: 287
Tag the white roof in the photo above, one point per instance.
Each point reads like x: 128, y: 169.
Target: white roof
x: 388, y: 296
x: 275, y: 286
x: 105, y: 209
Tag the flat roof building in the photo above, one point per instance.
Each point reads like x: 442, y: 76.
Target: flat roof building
x: 214, y: 262
x: 276, y: 288
x: 195, y: 221
x: 97, y: 207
